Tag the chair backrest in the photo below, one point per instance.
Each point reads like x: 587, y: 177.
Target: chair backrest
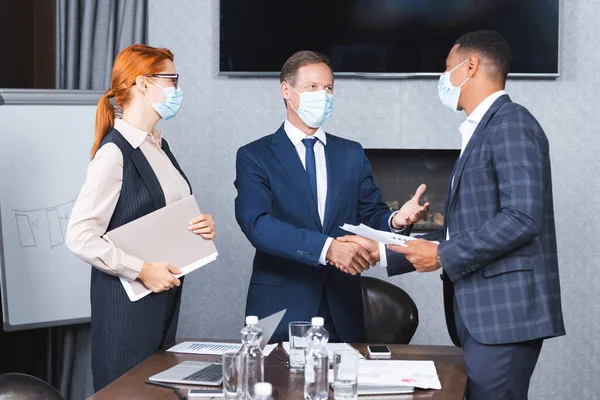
x: 15, y: 386
x: 390, y: 314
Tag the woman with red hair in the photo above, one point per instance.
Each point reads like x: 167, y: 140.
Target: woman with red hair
x: 132, y: 173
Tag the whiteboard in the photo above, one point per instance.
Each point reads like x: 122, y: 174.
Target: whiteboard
x: 44, y: 153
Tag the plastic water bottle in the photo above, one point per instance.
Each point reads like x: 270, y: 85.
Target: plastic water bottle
x: 263, y: 391
x: 251, y: 360
x: 316, y: 383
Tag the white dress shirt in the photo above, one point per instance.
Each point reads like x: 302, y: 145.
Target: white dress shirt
x: 296, y: 135
x: 469, y: 126
x: 100, y: 193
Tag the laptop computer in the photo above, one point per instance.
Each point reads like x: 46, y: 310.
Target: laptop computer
x: 209, y: 373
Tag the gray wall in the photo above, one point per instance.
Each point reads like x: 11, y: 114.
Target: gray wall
x: 221, y: 114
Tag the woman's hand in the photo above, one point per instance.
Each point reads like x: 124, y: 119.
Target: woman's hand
x: 204, y: 226
x: 158, y: 277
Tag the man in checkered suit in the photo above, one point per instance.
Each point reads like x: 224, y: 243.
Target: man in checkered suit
x: 497, y: 249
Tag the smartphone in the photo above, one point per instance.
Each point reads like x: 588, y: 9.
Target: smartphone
x: 204, y: 393
x: 380, y: 351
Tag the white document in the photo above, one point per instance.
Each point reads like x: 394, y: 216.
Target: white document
x: 331, y: 347
x: 378, y: 236
x: 163, y: 236
x: 213, y: 348
x: 420, y: 374
x: 206, y: 348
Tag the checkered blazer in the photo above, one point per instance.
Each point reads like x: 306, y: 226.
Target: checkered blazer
x: 500, y: 264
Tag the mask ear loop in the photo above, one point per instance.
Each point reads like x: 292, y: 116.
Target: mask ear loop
x: 454, y: 69
x: 146, y: 87
x: 289, y: 101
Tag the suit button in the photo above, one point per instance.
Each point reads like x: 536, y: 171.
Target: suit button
x: 463, y: 272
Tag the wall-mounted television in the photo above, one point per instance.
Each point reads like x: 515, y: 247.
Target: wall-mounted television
x: 382, y: 38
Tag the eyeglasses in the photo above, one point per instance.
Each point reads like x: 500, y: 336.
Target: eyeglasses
x: 173, y: 77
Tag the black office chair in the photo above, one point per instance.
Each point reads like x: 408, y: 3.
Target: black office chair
x: 391, y: 316
x: 15, y: 386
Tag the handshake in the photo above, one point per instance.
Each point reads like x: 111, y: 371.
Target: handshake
x: 355, y: 254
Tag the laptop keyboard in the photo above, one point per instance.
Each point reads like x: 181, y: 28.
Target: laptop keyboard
x: 212, y: 373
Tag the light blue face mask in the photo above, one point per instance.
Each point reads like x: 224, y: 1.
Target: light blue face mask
x: 314, y: 108
x: 448, y: 93
x: 171, y: 105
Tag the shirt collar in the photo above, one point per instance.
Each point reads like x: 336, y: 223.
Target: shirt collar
x: 136, y: 136
x: 484, y: 106
x: 296, y: 135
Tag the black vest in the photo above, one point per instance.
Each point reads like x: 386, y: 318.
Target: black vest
x: 141, y: 193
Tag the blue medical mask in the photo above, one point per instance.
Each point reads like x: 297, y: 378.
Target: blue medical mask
x: 171, y: 105
x: 450, y: 94
x: 314, y: 108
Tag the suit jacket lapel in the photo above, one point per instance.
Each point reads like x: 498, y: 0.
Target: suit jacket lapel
x: 149, y: 178
x: 335, y: 172
x: 460, y: 164
x: 285, y: 152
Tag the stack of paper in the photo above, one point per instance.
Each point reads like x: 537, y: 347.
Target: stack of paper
x: 163, y: 236
x: 420, y: 374
x: 331, y: 347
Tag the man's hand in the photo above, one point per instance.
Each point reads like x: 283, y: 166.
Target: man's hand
x: 349, y: 257
x: 411, y: 212
x: 423, y: 254
x: 158, y: 277
x: 369, y: 245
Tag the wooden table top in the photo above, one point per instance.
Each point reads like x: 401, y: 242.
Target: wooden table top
x: 290, y: 386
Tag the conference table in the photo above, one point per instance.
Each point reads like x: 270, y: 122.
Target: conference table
x: 289, y: 385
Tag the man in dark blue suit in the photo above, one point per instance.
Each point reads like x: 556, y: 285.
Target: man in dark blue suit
x: 498, y: 246
x: 296, y: 187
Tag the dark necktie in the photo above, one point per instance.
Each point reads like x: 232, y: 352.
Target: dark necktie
x: 311, y: 167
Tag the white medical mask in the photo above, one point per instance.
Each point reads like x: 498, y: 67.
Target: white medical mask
x: 171, y: 105
x: 448, y: 93
x: 314, y: 108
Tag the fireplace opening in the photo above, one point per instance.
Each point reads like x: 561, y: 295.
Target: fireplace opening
x: 399, y: 172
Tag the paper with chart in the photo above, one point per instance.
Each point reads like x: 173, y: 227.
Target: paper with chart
x: 419, y: 374
x: 213, y: 348
x: 378, y: 236
x: 163, y: 236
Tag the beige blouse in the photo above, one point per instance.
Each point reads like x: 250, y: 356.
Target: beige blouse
x: 99, y: 195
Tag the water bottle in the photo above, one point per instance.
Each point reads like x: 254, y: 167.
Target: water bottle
x: 251, y: 360
x: 263, y: 391
x: 316, y: 384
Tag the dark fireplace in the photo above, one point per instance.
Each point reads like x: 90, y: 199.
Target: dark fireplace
x: 399, y: 172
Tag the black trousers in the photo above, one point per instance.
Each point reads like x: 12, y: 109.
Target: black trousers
x: 125, y: 333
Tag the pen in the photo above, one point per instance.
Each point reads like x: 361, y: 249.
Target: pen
x: 282, y: 360
x: 175, y: 388
x: 280, y: 344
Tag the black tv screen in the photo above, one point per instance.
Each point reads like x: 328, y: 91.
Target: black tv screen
x: 382, y: 38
